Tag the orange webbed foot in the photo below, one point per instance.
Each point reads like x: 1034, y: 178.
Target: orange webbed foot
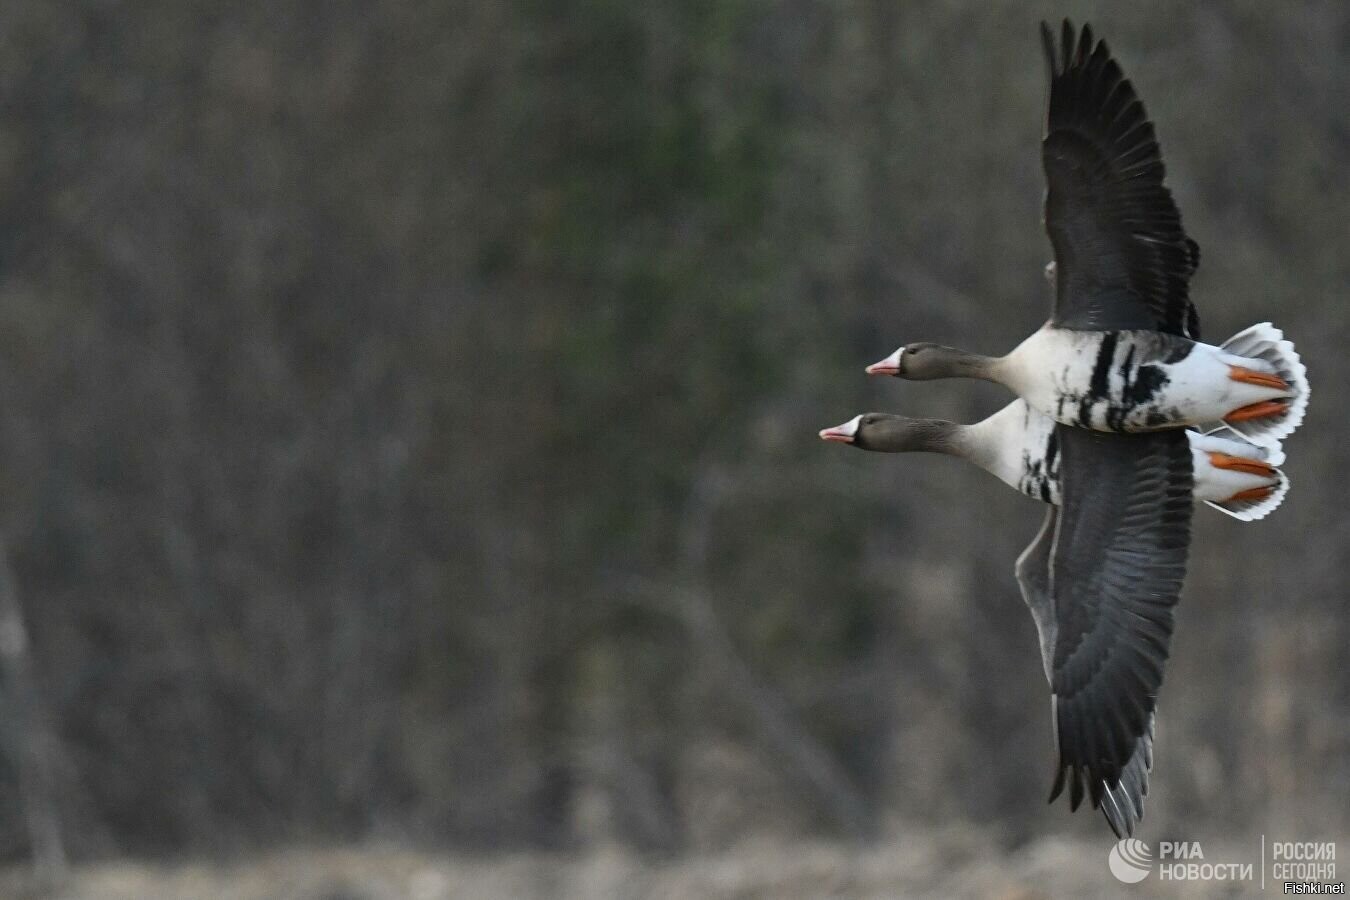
x: 1241, y: 464
x: 1257, y: 493
x: 1262, y: 379
x: 1258, y: 411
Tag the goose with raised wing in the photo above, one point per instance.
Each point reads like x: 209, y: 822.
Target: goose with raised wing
x: 1103, y: 607
x: 1121, y: 351
x: 1102, y: 576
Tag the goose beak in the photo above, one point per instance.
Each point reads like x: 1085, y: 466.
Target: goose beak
x: 888, y: 366
x: 842, y: 434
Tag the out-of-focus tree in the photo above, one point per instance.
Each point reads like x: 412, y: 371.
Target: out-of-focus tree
x: 410, y: 408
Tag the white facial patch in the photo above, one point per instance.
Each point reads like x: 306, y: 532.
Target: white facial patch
x: 888, y: 366
x: 850, y: 427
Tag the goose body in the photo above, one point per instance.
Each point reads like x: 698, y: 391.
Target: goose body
x: 1140, y: 380
x: 1122, y: 349
x: 1020, y: 446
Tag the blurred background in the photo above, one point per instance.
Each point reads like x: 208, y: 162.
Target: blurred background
x: 409, y: 482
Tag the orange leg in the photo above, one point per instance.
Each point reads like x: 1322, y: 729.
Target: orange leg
x: 1251, y: 376
x: 1258, y: 411
x: 1259, y: 493
x: 1241, y: 464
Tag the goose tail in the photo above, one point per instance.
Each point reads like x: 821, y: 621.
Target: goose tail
x: 1266, y: 342
x: 1249, y: 509
x: 1212, y: 483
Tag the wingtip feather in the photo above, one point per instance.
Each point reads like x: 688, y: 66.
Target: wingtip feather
x: 1084, y: 44
x: 1048, y: 45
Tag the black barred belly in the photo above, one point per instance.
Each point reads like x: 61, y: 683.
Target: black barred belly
x: 1040, y: 470
x: 1125, y: 391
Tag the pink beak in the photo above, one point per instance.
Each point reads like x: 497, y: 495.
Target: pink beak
x: 888, y: 366
x: 842, y: 434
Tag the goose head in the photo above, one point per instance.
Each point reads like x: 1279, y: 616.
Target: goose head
x: 923, y: 361
x: 893, y: 434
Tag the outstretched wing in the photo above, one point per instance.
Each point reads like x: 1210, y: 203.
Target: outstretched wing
x: 1122, y: 259
x: 1116, y: 570
x: 1122, y: 802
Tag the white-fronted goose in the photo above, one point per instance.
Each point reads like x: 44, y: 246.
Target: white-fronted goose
x: 1104, y: 572
x: 1020, y: 446
x: 1122, y: 349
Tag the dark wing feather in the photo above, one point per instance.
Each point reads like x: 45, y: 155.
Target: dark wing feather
x: 1122, y: 258
x: 1123, y: 803
x: 1115, y: 572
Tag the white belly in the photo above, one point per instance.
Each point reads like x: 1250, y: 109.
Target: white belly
x: 1127, y: 380
x: 1013, y: 445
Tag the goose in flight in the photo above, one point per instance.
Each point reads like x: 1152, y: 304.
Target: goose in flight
x: 1104, y: 572
x: 1121, y: 351
x: 1020, y: 447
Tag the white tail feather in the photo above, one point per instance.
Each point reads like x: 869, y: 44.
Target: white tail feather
x: 1227, y: 440
x: 1274, y: 454
x: 1266, y: 342
x: 1252, y: 510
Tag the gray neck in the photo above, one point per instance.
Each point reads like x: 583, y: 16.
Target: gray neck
x: 954, y: 363
x: 918, y: 436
